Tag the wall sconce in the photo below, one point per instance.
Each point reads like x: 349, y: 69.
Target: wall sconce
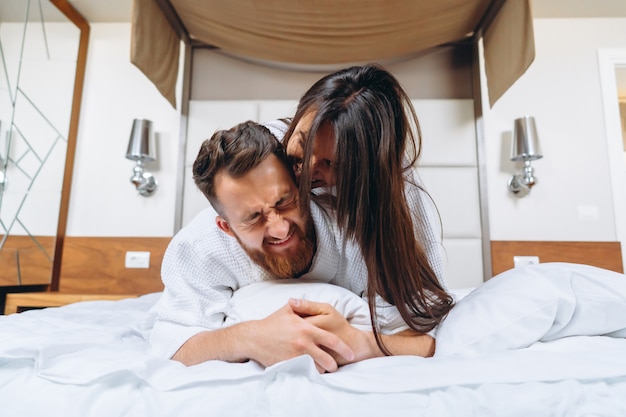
x: 526, y: 149
x: 141, y: 149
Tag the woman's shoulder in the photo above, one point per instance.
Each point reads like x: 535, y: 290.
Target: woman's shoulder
x: 415, y: 192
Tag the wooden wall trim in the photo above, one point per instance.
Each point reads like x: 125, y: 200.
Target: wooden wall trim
x: 18, y: 302
x: 26, y: 260
x: 96, y: 265
x: 607, y: 255
x: 79, y: 80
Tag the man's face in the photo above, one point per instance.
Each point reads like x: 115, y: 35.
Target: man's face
x: 323, y: 158
x: 261, y: 211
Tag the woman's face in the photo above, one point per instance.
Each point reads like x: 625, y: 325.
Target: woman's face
x: 323, y: 158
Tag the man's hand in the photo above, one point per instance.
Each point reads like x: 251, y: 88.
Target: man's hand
x: 326, y: 317
x: 362, y: 343
x: 282, y: 335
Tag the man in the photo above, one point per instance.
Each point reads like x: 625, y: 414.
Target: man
x: 260, y: 234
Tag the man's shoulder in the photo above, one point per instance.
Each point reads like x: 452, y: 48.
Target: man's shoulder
x: 201, y: 222
x: 202, y: 233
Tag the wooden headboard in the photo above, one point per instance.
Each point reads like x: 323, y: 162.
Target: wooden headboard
x: 96, y: 265
x: 607, y: 255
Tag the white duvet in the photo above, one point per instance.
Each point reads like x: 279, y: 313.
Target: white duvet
x: 547, y: 340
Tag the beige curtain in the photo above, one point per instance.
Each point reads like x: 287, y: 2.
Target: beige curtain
x: 155, y: 47
x: 509, y: 47
x: 328, y: 31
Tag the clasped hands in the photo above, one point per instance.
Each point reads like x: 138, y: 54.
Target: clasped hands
x: 303, y: 327
x: 300, y: 327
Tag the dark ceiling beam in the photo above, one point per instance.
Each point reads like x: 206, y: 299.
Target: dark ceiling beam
x: 490, y: 14
x: 174, y: 19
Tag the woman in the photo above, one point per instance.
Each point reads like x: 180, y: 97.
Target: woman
x: 352, y: 131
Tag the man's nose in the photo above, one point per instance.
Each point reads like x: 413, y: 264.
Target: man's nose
x: 277, y: 226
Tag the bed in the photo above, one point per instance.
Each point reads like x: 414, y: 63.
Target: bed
x: 544, y: 340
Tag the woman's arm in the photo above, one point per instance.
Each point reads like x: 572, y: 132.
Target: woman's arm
x: 362, y: 343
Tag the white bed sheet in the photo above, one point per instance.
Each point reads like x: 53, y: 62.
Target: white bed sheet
x: 91, y: 359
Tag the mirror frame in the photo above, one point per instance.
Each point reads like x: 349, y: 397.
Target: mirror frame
x: 81, y: 62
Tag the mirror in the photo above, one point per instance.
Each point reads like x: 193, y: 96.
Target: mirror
x: 43, y: 46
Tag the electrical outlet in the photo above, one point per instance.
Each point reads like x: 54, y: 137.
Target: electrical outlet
x: 137, y: 259
x: 520, y: 261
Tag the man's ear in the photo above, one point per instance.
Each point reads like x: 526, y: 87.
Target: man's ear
x: 224, y: 226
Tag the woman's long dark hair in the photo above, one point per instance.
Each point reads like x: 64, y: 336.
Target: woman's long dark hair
x: 376, y: 149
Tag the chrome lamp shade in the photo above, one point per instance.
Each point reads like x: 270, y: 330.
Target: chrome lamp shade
x: 141, y: 142
x: 141, y: 149
x: 525, y: 140
x: 525, y: 148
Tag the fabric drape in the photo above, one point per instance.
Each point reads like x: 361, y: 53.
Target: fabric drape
x: 333, y: 32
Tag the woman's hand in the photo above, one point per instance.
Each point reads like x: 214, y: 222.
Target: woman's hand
x: 285, y: 334
x: 325, y: 317
x: 362, y: 343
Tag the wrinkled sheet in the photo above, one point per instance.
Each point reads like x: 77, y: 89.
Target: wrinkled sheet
x: 92, y: 359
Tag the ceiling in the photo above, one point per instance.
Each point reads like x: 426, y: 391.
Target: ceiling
x: 119, y: 10
x: 100, y: 11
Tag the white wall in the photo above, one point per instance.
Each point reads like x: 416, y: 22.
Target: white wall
x: 103, y: 202
x: 561, y: 89
x: 573, y: 198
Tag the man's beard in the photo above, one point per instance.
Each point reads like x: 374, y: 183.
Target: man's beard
x: 284, y: 267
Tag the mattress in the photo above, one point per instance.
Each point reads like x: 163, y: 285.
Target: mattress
x: 546, y: 340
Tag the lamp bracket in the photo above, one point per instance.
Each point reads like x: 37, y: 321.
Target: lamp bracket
x: 144, y: 181
x: 520, y: 184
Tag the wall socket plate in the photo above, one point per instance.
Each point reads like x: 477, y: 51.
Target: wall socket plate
x: 137, y: 259
x: 520, y: 261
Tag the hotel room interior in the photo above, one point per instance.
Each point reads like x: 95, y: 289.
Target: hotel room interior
x: 82, y: 79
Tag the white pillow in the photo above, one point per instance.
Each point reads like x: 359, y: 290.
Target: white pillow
x: 257, y: 301
x: 536, y: 303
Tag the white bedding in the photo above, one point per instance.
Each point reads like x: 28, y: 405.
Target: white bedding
x: 259, y: 300
x: 543, y: 341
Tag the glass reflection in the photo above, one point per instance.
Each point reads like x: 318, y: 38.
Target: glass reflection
x: 38, y: 50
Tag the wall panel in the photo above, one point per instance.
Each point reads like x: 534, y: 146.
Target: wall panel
x: 96, y: 265
x: 605, y: 255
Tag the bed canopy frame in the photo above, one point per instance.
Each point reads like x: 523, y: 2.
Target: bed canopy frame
x: 326, y: 35
x: 330, y: 33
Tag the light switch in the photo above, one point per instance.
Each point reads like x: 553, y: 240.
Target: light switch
x: 519, y: 261
x: 137, y: 259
